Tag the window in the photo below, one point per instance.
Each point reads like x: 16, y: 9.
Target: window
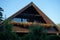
x: 19, y: 20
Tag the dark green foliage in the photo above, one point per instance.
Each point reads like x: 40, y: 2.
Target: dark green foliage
x: 7, y: 33
x: 1, y: 9
x: 8, y: 36
x: 7, y: 26
x: 54, y: 37
x: 1, y: 14
x: 37, y: 33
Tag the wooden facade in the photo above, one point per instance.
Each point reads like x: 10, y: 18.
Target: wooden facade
x: 30, y: 15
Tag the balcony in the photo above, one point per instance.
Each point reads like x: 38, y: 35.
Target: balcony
x: 23, y: 27
x: 31, y: 24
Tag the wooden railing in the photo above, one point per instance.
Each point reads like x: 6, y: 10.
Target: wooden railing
x: 32, y: 23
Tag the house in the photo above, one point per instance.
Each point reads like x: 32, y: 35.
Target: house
x: 30, y: 15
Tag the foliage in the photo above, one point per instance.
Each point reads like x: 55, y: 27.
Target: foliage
x: 37, y: 33
x: 54, y: 37
x: 1, y: 14
x: 7, y: 33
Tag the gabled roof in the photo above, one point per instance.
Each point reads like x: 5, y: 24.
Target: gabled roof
x: 48, y: 21
x: 37, y: 9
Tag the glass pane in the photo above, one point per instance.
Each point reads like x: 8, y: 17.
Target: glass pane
x: 19, y: 20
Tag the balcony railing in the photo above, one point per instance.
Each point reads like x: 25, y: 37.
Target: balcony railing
x: 32, y: 23
x: 23, y: 26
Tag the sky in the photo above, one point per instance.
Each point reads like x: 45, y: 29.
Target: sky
x: 50, y: 7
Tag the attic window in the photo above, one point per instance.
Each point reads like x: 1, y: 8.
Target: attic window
x: 19, y: 20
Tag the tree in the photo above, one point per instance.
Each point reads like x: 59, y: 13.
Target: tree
x: 7, y: 33
x: 1, y: 14
x: 37, y: 33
